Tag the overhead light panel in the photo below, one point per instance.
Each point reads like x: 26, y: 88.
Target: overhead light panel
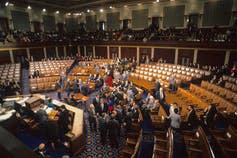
x: 44, y: 10
x: 6, y: 4
x: 29, y: 7
x: 57, y: 12
x: 88, y: 10
x: 101, y: 10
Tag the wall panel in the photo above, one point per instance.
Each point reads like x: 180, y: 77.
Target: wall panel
x: 18, y: 54
x: 51, y: 52
x: 37, y: 54
x: 165, y: 54
x: 128, y: 52
x: 208, y: 57
x: 101, y: 52
x: 233, y: 58
x: 185, y: 53
x: 5, y: 57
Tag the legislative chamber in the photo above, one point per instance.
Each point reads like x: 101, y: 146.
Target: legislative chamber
x: 118, y: 79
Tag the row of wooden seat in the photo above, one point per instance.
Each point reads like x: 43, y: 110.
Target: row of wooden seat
x: 142, y: 83
x: 231, y: 86
x: 43, y: 84
x: 10, y: 72
x: 172, y: 68
x: 49, y: 68
x: 209, y: 97
x: 131, y: 148
x: 223, y: 92
x: 226, y: 141
x: 230, y: 79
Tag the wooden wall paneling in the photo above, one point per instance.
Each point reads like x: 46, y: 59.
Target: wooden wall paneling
x: 113, y: 52
x: 19, y: 55
x: 89, y: 51
x: 37, y: 53
x: 185, y: 53
x: 101, y: 52
x: 51, y: 52
x: 145, y: 52
x: 5, y: 57
x: 165, y: 54
x: 128, y: 52
x: 60, y: 52
x: 82, y: 50
x: 233, y: 58
x: 71, y: 50
x: 210, y: 57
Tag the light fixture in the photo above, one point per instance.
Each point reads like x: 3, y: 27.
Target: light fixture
x: 101, y: 10
x: 139, y: 4
x: 6, y: 4
x: 29, y: 7
x: 157, y: 1
x: 80, y: 14
x: 110, y: 7
x: 44, y: 10
x: 88, y: 10
x: 68, y: 14
x: 57, y: 12
x: 76, y: 14
x: 125, y: 6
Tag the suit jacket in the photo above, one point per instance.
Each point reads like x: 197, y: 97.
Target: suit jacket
x: 95, y: 102
x: 100, y: 110
x: 63, y: 120
x: 192, y: 117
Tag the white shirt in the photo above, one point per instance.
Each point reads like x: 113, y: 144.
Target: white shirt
x: 175, y: 120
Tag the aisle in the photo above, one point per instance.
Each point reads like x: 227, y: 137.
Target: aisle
x: 25, y: 81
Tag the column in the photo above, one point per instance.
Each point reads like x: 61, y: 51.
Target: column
x: 176, y: 56
x: 45, y: 52
x: 64, y: 51
x: 108, y: 52
x: 152, y: 52
x: 227, y: 57
x: 84, y: 50
x: 195, y: 55
x: 79, y: 50
x: 138, y: 56
x: 28, y: 53
x: 119, y: 52
x: 11, y: 56
x: 56, y: 50
x: 93, y: 49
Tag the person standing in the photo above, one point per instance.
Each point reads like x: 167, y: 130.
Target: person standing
x: 102, y: 129
x: 68, y: 88
x: 114, y: 131
x: 175, y: 119
x: 92, y: 118
x: 63, y: 121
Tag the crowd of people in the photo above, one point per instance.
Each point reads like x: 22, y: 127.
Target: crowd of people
x: 9, y: 88
x: 152, y: 33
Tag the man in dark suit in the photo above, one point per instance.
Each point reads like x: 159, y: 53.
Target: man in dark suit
x: 114, y: 131
x: 63, y: 121
x: 103, y: 129
x: 96, y: 100
x: 102, y: 107
x: 192, y: 119
x: 209, y: 114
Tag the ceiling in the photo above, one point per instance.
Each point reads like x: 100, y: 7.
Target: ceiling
x: 77, y: 4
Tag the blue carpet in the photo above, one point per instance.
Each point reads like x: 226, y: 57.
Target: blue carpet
x: 25, y: 81
x: 147, y: 144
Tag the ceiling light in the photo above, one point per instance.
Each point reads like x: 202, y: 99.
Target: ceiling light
x: 6, y: 4
x: 44, y: 10
x: 101, y: 10
x: 57, y: 12
x: 110, y: 7
x: 29, y: 7
x: 157, y: 1
x: 76, y: 14
x: 125, y: 6
x: 68, y: 14
x: 79, y: 13
x: 139, y: 4
x: 88, y: 10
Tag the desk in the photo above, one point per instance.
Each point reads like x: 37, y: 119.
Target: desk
x: 76, y: 136
x: 79, y: 96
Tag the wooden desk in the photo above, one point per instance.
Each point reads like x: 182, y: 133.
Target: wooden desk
x: 150, y: 86
x: 79, y: 96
